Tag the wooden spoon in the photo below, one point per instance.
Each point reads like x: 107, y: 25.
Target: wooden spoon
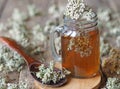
x: 31, y: 63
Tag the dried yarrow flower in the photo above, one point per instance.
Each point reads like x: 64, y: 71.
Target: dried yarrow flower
x: 12, y: 86
x: 33, y: 11
x: 77, y: 9
x: 10, y: 60
x: 2, y: 83
x: 81, y: 44
x: 48, y: 74
x: 113, y: 83
x: 111, y: 62
x: 23, y: 84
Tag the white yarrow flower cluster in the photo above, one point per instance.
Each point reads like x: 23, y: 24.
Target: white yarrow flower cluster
x: 38, y: 33
x: 74, y: 9
x: 2, y: 83
x: 12, y: 86
x: 2, y: 27
x: 48, y: 74
x: 104, y: 14
x: 88, y: 15
x: 113, y: 83
x: 104, y: 47
x: 18, y: 16
x: 10, y: 60
x: 23, y: 84
x: 77, y: 9
x: 32, y: 10
x: 109, y: 22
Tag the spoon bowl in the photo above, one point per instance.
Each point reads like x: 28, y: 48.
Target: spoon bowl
x: 34, y: 68
x: 31, y: 62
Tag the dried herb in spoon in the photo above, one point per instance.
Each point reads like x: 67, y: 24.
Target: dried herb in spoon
x: 50, y: 75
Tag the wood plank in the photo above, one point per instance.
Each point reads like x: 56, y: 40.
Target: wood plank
x: 2, y: 6
x: 95, y: 4
x: 11, y: 5
x: 27, y: 78
x: 43, y: 6
x: 102, y: 3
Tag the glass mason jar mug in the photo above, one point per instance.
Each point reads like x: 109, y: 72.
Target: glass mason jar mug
x: 79, y: 47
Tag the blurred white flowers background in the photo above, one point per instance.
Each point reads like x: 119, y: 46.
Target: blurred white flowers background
x: 35, y: 38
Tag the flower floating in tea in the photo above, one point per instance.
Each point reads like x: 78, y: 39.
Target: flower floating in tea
x: 81, y: 44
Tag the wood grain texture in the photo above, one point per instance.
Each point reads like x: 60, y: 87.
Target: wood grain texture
x: 42, y: 5
x: 2, y: 6
x: 27, y: 78
x: 11, y: 5
x: 74, y: 83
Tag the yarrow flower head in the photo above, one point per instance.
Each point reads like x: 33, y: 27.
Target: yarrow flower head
x: 77, y: 9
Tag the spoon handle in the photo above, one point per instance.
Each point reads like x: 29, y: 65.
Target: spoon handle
x: 13, y: 45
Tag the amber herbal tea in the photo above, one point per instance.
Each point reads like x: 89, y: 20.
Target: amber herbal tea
x: 80, y: 54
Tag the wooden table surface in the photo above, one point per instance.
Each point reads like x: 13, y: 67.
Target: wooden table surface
x: 7, y: 7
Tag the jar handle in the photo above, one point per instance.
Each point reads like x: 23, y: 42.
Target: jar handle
x: 55, y: 55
